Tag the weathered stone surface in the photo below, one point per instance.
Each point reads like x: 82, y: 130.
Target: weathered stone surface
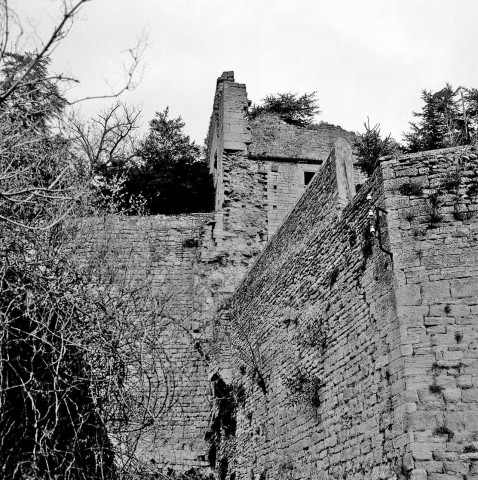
x: 367, y: 319
x: 357, y: 353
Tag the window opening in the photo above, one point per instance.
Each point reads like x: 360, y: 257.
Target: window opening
x: 308, y: 176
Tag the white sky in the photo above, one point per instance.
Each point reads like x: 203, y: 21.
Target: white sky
x: 363, y: 57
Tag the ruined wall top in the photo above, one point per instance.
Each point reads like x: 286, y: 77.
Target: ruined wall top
x: 272, y: 137
x: 228, y: 127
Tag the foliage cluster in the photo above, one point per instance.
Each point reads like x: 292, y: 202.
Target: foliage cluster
x: 304, y: 388
x: 445, y: 121
x: 370, y: 146
x: 292, y: 109
x: 449, y: 117
x: 164, y: 173
x: 82, y: 375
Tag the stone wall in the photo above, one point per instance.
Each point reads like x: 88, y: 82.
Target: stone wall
x: 434, y: 237
x: 272, y: 137
x: 186, y: 266
x: 354, y: 348
x: 349, y: 353
x: 156, y: 263
x: 288, y: 152
x: 189, y: 264
x: 281, y: 152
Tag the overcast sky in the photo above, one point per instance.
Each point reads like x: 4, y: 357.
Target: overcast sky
x: 363, y: 57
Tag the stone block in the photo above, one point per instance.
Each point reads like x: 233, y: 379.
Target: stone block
x: 418, y: 474
x: 438, y: 291
x: 409, y: 295
x: 470, y: 395
x: 452, y: 395
x: 464, y: 287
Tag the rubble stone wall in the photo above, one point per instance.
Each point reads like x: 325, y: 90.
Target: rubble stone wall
x: 272, y: 137
x: 316, y: 318
x: 357, y: 351
x: 434, y: 237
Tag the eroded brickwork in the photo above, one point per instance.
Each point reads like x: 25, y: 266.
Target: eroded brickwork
x: 285, y: 154
x: 272, y: 137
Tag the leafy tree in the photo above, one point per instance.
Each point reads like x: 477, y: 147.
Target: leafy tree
x: 471, y: 105
x: 370, y: 146
x: 299, y: 111
x: 168, y: 174
x: 107, y: 146
x: 62, y: 372
x: 36, y: 100
x: 441, y: 121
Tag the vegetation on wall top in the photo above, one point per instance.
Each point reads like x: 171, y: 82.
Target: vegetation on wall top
x: 291, y: 108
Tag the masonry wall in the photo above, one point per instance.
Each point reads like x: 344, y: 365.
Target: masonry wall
x: 434, y: 234
x: 285, y: 184
x: 188, y: 265
x: 156, y: 262
x: 366, y: 345
x: 320, y: 317
x: 272, y: 137
x: 288, y: 152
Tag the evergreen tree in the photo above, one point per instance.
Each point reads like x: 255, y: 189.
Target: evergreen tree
x: 168, y: 175
x: 370, y: 146
x: 441, y: 121
x: 299, y: 111
x: 36, y: 99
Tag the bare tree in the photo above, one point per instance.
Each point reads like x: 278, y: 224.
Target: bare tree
x: 80, y: 375
x: 31, y: 100
x: 107, y: 145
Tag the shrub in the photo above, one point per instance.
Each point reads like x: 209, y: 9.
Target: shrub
x: 434, y: 388
x: 299, y: 111
x: 410, y: 189
x: 304, y: 389
x: 370, y: 146
x: 452, y: 181
x: 434, y: 218
x: 443, y: 431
